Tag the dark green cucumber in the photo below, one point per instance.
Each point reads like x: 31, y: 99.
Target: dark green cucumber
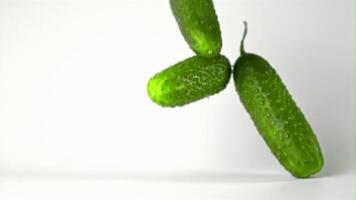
x: 276, y: 116
x: 189, y: 81
x: 199, y: 25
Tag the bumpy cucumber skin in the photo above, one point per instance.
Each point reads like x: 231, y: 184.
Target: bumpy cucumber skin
x: 276, y: 116
x: 189, y: 81
x: 199, y: 25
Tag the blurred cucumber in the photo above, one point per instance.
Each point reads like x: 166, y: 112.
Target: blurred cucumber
x: 199, y: 25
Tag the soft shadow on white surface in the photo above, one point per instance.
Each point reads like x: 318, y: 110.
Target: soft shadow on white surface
x: 107, y: 187
x: 210, y: 177
x: 188, y: 176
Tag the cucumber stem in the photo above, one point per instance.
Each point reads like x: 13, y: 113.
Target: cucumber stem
x: 242, y: 50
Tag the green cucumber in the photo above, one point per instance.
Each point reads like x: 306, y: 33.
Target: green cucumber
x: 199, y: 25
x: 275, y: 114
x: 189, y: 81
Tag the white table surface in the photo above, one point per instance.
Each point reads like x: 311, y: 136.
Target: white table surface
x: 192, y: 185
x: 76, y: 122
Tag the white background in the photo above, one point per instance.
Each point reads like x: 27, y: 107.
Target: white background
x: 76, y: 122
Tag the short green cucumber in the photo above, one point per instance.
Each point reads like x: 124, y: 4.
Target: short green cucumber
x: 189, y: 80
x: 276, y: 116
x: 199, y: 25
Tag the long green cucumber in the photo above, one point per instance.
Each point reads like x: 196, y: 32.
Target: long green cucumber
x: 199, y: 25
x: 189, y: 81
x: 276, y: 116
